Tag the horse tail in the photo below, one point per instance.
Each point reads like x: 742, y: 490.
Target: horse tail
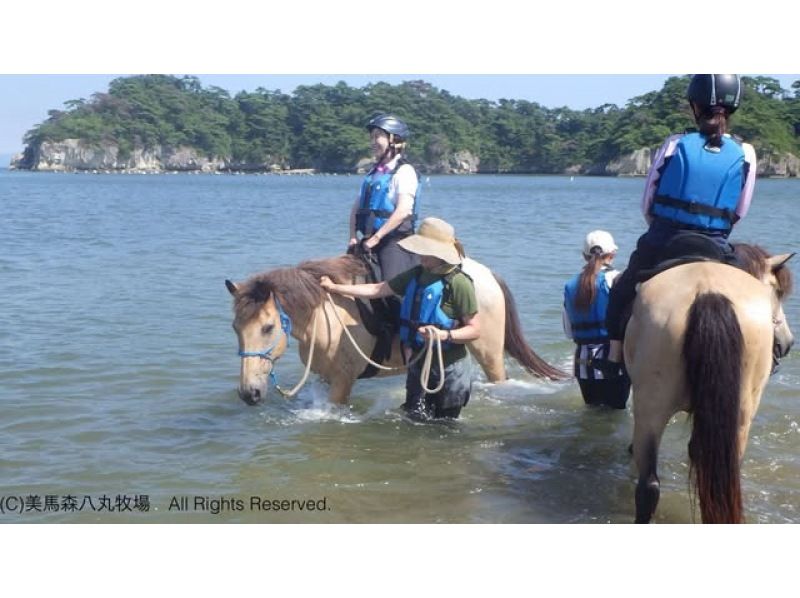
x: 713, y: 350
x: 515, y: 344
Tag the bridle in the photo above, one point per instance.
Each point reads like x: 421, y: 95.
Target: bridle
x: 266, y: 354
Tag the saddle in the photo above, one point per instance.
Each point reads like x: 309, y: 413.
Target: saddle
x: 686, y: 248
x: 381, y: 317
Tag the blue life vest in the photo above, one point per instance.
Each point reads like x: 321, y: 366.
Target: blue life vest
x: 588, y: 326
x: 700, y: 186
x: 375, y: 208
x: 423, y: 306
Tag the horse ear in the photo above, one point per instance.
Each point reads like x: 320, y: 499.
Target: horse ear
x: 776, y: 261
x: 232, y: 288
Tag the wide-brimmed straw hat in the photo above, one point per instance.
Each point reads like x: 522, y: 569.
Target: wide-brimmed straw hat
x: 435, y: 238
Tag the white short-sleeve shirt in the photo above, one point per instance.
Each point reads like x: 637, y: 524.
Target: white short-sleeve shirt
x: 404, y: 181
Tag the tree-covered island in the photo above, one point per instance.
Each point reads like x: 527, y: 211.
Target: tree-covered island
x: 161, y: 122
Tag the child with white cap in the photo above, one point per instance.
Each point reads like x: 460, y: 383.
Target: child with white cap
x: 585, y: 304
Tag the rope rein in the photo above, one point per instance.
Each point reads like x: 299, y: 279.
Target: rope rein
x: 427, y: 353
x: 288, y: 394
x: 286, y: 327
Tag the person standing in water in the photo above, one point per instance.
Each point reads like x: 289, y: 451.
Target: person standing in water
x: 585, y: 302
x: 438, y: 301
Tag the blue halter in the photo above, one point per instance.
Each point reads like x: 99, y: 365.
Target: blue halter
x: 286, y: 327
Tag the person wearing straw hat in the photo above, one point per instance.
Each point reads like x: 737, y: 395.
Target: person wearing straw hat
x: 438, y: 302
x: 585, y: 303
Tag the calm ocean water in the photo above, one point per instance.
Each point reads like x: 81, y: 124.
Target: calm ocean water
x: 118, y: 366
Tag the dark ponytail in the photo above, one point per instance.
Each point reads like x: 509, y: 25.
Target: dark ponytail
x: 587, y: 290
x: 713, y: 124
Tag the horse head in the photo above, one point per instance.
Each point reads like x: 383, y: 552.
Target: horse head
x: 772, y: 271
x: 780, y: 279
x: 263, y: 329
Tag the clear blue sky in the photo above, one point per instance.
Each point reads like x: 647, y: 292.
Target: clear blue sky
x: 25, y: 99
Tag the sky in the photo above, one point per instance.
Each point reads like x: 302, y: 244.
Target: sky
x: 556, y: 54
x: 26, y: 99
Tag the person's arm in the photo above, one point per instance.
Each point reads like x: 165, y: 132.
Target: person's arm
x: 405, y: 183
x: 405, y: 206
x: 566, y: 324
x: 650, y: 186
x: 365, y: 291
x: 469, y: 330
x: 353, y: 239
x: 750, y: 182
x: 465, y: 306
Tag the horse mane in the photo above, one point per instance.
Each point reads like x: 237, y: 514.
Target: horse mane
x: 753, y: 258
x: 297, y: 287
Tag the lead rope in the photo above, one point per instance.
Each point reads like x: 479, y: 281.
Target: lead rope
x: 288, y: 394
x: 426, y: 365
x: 425, y: 374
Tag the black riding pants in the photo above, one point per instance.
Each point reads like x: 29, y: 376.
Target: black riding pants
x: 647, y: 255
x: 596, y: 387
x: 392, y: 258
x: 611, y: 393
x: 623, y: 291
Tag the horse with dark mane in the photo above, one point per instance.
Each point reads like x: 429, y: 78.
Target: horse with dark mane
x: 272, y: 306
x: 701, y: 339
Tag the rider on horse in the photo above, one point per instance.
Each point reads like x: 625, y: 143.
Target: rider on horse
x: 700, y: 181
x: 386, y: 208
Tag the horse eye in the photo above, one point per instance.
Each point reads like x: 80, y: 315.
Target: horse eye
x: 267, y: 328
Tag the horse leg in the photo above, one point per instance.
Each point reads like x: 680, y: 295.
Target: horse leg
x: 646, y: 440
x: 648, y: 487
x: 491, y: 361
x: 339, y: 391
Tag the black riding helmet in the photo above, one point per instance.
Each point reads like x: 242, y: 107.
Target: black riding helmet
x: 707, y: 91
x: 389, y: 123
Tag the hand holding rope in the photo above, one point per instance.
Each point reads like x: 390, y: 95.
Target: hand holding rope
x: 427, y: 353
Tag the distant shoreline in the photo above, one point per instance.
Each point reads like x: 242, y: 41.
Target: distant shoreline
x: 332, y: 174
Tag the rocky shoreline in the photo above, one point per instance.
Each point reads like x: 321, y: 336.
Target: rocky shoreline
x: 76, y: 156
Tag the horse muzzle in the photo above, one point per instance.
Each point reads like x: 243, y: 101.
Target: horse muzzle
x: 253, y: 385
x: 251, y: 395
x: 781, y: 349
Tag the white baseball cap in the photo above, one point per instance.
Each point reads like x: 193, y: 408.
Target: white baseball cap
x: 601, y: 239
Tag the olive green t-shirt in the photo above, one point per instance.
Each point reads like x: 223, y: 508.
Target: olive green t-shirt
x: 458, y: 301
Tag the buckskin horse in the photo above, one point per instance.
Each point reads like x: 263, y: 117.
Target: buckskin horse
x: 701, y: 339
x: 272, y: 306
